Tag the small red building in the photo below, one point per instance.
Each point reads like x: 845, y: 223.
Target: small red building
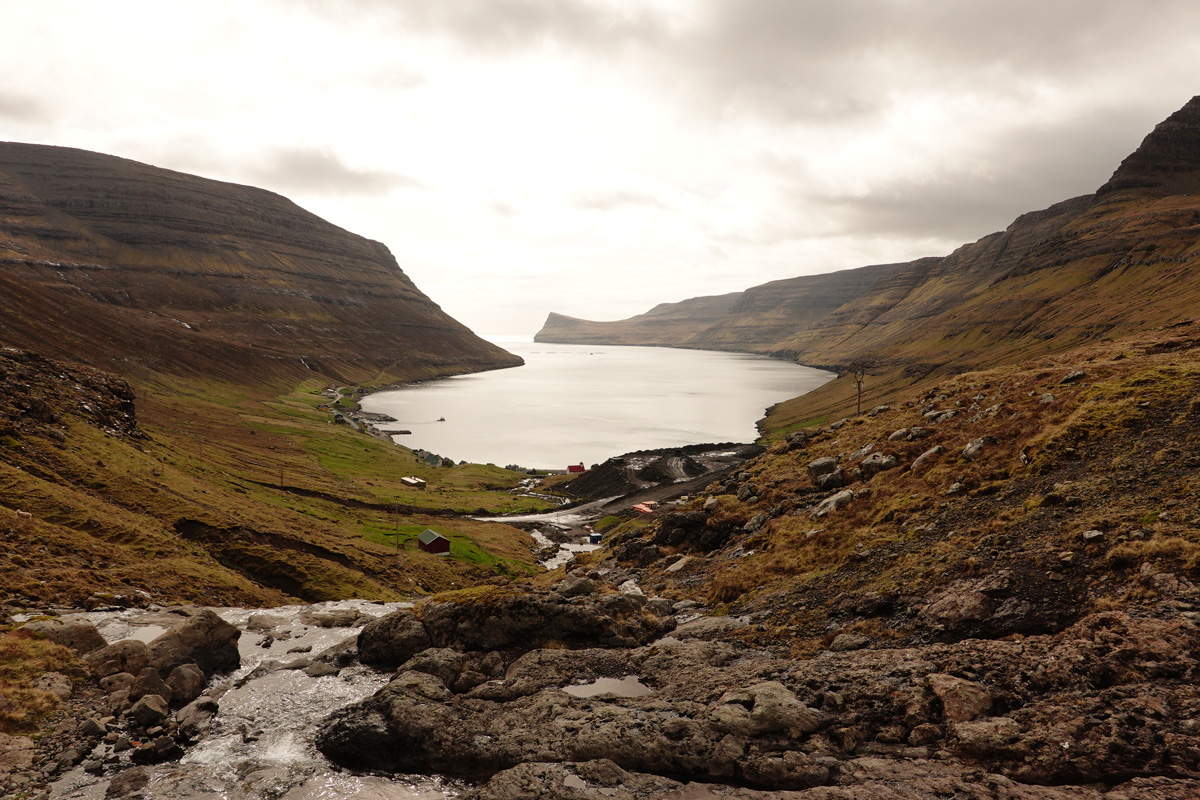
x: 433, y: 542
x: 574, y: 468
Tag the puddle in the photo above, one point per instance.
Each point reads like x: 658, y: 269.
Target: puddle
x: 629, y: 686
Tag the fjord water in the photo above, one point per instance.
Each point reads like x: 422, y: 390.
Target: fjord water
x: 585, y: 403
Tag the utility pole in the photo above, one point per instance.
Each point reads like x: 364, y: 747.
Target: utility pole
x: 860, y: 375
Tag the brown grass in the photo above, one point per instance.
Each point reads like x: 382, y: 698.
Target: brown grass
x: 22, y: 661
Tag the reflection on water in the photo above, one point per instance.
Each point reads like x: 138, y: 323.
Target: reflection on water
x: 586, y: 403
x: 629, y: 686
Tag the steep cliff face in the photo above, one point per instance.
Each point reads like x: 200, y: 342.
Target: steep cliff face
x: 932, y: 309
x: 143, y: 270
x: 768, y: 313
x: 752, y: 320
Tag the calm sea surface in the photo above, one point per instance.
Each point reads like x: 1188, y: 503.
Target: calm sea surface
x: 585, y: 403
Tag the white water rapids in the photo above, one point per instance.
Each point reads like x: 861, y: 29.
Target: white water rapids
x: 260, y: 745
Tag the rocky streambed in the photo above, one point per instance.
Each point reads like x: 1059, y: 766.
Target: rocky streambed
x: 592, y: 689
x: 242, y: 730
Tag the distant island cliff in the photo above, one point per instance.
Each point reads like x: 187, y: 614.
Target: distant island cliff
x: 749, y: 320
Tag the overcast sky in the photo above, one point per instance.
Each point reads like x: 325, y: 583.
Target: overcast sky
x: 596, y: 157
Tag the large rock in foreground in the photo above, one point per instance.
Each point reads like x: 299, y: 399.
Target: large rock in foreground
x: 974, y: 719
x: 202, y: 638
x: 505, y: 619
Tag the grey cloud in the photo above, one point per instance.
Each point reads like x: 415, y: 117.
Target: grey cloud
x: 850, y: 60
x: 22, y: 108
x: 1025, y: 171
x: 809, y: 61
x: 317, y: 170
x: 503, y: 25
x: 608, y: 201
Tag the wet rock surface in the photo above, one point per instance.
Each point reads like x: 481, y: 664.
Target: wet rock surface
x: 973, y: 718
x: 507, y: 620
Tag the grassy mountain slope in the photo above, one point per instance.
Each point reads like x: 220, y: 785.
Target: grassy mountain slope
x: 161, y: 432
x: 142, y: 271
x: 1096, y: 267
x: 1093, y: 267
x: 1078, y: 496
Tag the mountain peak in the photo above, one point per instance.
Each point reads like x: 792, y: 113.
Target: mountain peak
x: 1170, y: 150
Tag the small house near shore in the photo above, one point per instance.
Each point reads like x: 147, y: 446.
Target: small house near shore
x: 413, y: 482
x: 576, y: 468
x: 433, y: 542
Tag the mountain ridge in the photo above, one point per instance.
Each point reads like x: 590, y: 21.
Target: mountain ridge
x: 1106, y: 264
x: 150, y: 270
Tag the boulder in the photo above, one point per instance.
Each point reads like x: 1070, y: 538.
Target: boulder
x: 832, y: 480
x: 845, y: 642
x: 147, y: 682
x: 756, y: 522
x: 876, y: 463
x: 862, y: 452
x: 264, y: 622
x: 975, y: 447
x: 507, y: 619
x: 128, y: 783
x: 129, y: 656
x: 441, y: 662
x: 336, y: 618
x: 116, y: 682
x: 767, y: 707
x: 962, y: 700
x: 321, y: 669
x: 926, y: 457
x: 203, y: 639
x: 186, y: 682
x: 574, y: 585
x: 78, y: 635
x: 958, y: 605
x: 821, y: 466
x: 163, y: 748
x: 118, y: 702
x: 393, y: 639
x: 195, y: 718
x: 830, y: 504
x: 149, y: 711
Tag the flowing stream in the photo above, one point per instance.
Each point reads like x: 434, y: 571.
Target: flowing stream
x: 260, y: 744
